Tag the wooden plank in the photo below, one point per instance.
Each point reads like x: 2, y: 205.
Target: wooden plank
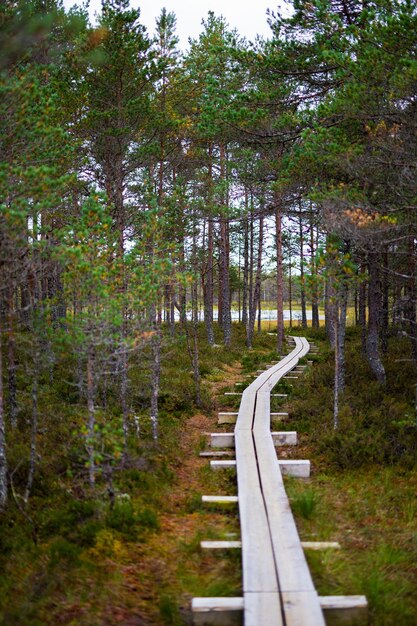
x: 220, y: 545
x: 219, y: 499
x: 227, y: 418
x: 284, y: 438
x: 218, y: 465
x: 222, y: 440
x: 207, y: 454
x: 306, y: 545
x: 300, y: 468
x: 281, y: 416
x: 302, y: 608
x: 320, y: 545
x: 217, y: 611
x: 263, y: 609
x: 227, y: 440
x: 344, y: 610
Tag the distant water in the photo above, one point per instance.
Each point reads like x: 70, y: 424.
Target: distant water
x: 267, y: 315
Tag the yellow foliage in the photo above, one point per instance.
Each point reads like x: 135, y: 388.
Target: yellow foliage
x: 107, y: 545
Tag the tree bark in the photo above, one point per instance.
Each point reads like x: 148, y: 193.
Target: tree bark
x: 155, y: 371
x: 280, y: 275
x: 384, y: 317
x: 11, y: 360
x: 257, y: 287
x: 302, y: 288
x: 123, y: 392
x: 3, y: 456
x: 224, y: 286
x: 314, y: 296
x: 362, y: 311
x: 91, y: 415
x: 34, y: 428
x: 245, y: 265
x: 208, y: 285
x: 374, y: 303
x: 412, y: 297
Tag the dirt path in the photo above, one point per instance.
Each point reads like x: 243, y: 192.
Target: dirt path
x: 163, y: 574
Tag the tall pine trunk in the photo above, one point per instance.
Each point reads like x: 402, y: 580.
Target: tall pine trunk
x: 257, y: 288
x: 34, y: 425
x: 362, y: 311
x: 224, y: 282
x: 314, y: 296
x: 245, y: 290
x: 302, y: 288
x: 208, y: 286
x: 91, y: 420
x: 280, y: 275
x: 155, y: 372
x: 11, y: 359
x: 3, y: 457
x: 412, y: 297
x: 374, y: 304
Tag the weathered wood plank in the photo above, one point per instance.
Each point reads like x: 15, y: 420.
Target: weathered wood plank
x: 344, y: 610
x: 227, y: 440
x: 263, y: 609
x: 227, y: 417
x: 207, y: 454
x: 220, y: 545
x: 302, y: 608
x: 321, y: 545
x: 217, y: 611
x: 219, y: 499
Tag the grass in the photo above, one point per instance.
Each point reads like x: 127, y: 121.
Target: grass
x: 368, y: 512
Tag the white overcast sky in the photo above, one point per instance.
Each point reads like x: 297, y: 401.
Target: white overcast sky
x: 247, y: 16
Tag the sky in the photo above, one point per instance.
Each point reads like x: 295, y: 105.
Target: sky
x: 247, y: 16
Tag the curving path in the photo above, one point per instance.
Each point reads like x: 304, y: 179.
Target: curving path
x: 277, y: 585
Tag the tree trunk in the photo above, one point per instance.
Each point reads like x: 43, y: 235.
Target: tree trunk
x: 123, y: 393
x: 314, y: 296
x: 362, y: 311
x: 245, y: 265
x: 290, y: 290
x: 224, y: 286
x: 384, y: 317
x: 208, y: 285
x: 257, y: 288
x: 412, y: 298
x: 3, y: 457
x: 11, y: 360
x: 91, y: 415
x: 330, y: 310
x: 280, y: 275
x: 374, y: 303
x: 194, y: 351
x: 302, y: 288
x: 249, y: 325
x: 339, y: 350
x: 34, y: 428
x: 155, y: 371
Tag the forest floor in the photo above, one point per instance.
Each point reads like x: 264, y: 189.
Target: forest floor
x: 141, y: 563
x: 169, y: 569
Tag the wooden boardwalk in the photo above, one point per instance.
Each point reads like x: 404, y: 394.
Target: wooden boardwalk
x: 277, y: 586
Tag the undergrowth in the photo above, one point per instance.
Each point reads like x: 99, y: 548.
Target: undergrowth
x: 76, y: 556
